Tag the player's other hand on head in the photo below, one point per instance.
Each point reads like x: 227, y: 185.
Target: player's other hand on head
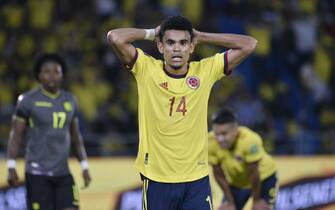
x: 87, y: 178
x: 227, y: 206
x: 260, y: 204
x: 157, y: 29
x: 13, y: 178
x: 196, y: 36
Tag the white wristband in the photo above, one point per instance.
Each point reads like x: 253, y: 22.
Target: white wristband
x: 150, y: 34
x: 84, y: 164
x: 11, y: 163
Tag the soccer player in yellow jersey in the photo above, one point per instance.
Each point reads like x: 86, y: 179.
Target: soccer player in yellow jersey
x: 173, y: 98
x: 241, y: 165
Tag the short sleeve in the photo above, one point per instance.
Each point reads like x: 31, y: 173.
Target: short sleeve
x: 212, y: 159
x: 138, y: 67
x: 254, y: 151
x: 217, y: 65
x: 22, y: 109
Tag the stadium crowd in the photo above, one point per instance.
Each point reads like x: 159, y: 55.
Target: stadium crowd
x: 284, y: 91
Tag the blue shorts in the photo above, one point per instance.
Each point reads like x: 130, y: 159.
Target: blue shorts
x: 268, y: 192
x: 195, y: 195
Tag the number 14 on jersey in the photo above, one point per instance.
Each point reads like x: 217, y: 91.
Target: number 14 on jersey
x: 181, y: 105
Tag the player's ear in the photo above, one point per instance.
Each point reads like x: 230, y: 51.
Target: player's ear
x: 160, y: 47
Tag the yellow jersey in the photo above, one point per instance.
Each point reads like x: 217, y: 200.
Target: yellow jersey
x: 172, y: 111
x: 248, y: 148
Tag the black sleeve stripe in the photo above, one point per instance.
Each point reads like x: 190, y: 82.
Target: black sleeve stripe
x: 130, y: 65
x: 225, y: 68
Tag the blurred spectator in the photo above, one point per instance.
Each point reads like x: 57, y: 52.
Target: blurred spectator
x: 312, y: 82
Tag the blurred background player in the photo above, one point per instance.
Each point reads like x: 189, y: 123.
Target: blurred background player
x: 241, y: 166
x: 173, y: 94
x: 46, y: 118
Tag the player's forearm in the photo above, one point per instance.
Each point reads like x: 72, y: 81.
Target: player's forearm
x: 125, y: 35
x: 79, y: 147
x: 15, y: 138
x: 121, y: 41
x: 80, y: 151
x: 13, y: 145
x: 221, y: 180
x: 233, y: 41
x: 78, y: 141
x: 255, y: 185
x: 226, y: 190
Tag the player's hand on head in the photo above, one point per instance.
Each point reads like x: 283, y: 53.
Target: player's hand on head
x: 227, y: 206
x: 157, y: 29
x: 196, y: 36
x: 260, y: 204
x: 13, y: 178
x: 87, y: 178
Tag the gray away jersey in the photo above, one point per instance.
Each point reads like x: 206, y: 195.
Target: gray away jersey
x: 47, y: 136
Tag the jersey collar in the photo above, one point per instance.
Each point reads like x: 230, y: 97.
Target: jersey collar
x: 176, y: 76
x: 50, y: 95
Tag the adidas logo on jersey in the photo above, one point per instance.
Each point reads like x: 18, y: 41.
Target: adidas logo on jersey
x: 164, y: 85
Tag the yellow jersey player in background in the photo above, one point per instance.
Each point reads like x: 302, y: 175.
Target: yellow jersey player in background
x: 241, y: 166
x: 173, y: 98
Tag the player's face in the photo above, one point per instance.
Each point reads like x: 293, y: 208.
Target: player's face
x: 225, y: 134
x: 176, y: 47
x: 51, y: 76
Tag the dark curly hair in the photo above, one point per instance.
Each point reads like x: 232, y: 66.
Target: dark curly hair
x: 225, y: 115
x: 45, y: 57
x: 176, y: 23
